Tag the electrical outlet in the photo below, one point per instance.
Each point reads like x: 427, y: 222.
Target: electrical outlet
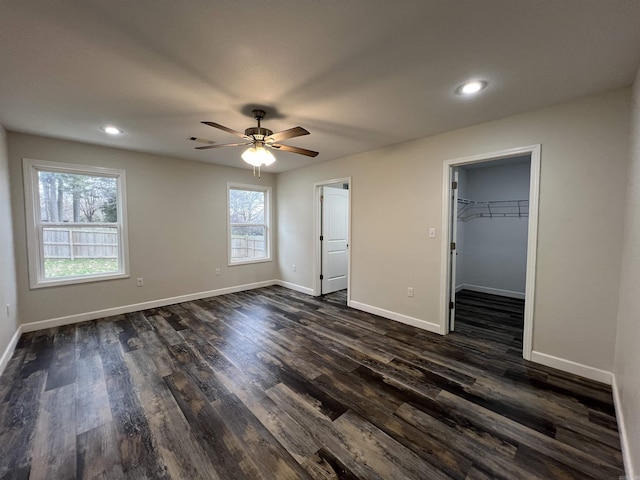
x: 294, y: 268
x: 432, y: 233
x: 217, y: 272
x: 140, y: 281
x: 409, y: 291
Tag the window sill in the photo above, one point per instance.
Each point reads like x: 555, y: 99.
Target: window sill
x: 249, y: 262
x: 78, y: 280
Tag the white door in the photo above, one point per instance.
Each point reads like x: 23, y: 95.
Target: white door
x: 452, y: 248
x: 335, y: 229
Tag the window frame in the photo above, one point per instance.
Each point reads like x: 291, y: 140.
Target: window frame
x: 34, y: 224
x: 267, y: 219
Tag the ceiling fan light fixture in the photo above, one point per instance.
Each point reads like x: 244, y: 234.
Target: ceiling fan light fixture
x: 258, y: 156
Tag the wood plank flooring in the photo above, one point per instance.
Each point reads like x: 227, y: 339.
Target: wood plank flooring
x: 274, y: 384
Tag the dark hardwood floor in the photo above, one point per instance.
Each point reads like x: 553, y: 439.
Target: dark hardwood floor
x: 274, y: 384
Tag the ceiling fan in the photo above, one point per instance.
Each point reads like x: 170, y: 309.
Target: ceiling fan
x: 258, y: 138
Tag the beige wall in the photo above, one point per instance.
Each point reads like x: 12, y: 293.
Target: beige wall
x: 397, y: 196
x: 8, y: 295
x: 177, y: 229
x: 627, y: 360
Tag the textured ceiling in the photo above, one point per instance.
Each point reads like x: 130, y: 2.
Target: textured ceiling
x: 358, y: 74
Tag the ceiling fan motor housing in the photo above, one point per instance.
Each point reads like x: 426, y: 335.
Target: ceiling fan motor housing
x: 258, y: 133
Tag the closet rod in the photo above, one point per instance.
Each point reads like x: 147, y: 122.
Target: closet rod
x: 469, y: 209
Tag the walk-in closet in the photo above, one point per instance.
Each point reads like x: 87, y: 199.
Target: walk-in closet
x: 491, y: 246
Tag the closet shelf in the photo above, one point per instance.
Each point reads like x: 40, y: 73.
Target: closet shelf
x: 469, y: 209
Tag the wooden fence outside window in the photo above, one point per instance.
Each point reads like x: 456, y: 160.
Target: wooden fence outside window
x: 73, y: 243
x: 244, y: 247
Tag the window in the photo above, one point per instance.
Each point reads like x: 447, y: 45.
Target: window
x: 75, y: 223
x: 249, y: 236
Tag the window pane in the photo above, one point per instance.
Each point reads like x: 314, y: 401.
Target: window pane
x: 79, y: 251
x: 246, y: 206
x: 248, y: 243
x: 69, y: 197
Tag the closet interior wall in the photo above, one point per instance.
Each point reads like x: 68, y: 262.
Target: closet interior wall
x: 492, y: 252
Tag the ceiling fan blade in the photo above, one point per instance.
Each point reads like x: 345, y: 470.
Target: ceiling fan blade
x: 202, y: 140
x: 284, y: 134
x: 223, y: 145
x: 226, y: 129
x: 289, y: 148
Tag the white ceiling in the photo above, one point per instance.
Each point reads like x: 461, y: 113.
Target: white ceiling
x: 358, y: 74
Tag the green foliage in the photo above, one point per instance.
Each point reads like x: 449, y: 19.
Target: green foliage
x: 110, y: 208
x: 63, y: 267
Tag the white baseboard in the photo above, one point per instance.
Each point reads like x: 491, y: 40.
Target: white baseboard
x: 8, y: 352
x: 398, y: 317
x: 108, y: 312
x: 579, y: 369
x: 294, y: 286
x: 491, y: 291
x: 624, y: 438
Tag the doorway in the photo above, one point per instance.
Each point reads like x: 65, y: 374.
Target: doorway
x: 332, y: 265
x: 501, y: 260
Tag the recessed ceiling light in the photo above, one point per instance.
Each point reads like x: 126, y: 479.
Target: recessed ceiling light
x: 469, y: 88
x: 111, y: 130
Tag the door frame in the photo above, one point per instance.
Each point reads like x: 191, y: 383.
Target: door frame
x: 317, y: 230
x: 453, y: 226
x: 532, y: 238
